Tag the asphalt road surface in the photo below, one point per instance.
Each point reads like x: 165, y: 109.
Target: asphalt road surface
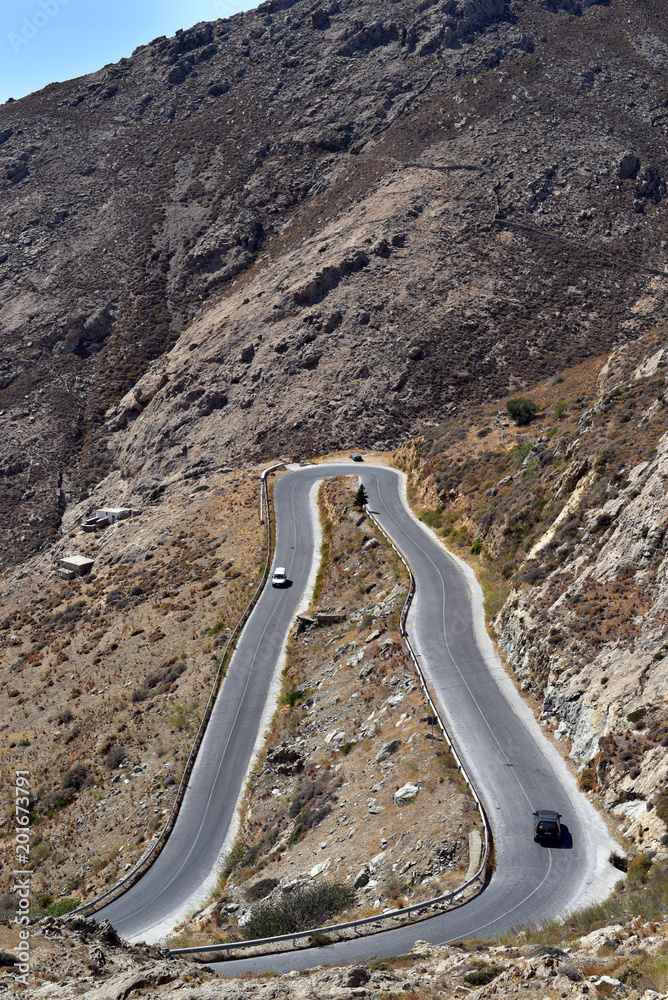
x: 512, y: 765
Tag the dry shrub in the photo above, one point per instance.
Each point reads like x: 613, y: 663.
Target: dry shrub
x: 115, y: 757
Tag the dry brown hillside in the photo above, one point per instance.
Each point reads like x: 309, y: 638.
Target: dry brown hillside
x: 103, y: 679
x: 306, y: 227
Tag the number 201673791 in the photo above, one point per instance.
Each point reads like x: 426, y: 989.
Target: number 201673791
x: 22, y: 873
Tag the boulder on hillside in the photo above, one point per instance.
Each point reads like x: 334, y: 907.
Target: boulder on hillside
x: 387, y: 750
x: 285, y: 760
x: 651, y: 184
x: 407, y: 793
x: 629, y: 165
x: 363, y: 877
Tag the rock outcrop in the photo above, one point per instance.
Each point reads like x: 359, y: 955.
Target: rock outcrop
x: 601, y: 963
x: 598, y: 682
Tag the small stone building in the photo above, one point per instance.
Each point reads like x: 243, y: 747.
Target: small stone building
x: 73, y: 566
x: 108, y: 515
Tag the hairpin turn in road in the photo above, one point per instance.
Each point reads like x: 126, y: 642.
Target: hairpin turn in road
x: 514, y: 768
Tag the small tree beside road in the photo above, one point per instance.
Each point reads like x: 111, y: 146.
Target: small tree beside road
x: 361, y: 498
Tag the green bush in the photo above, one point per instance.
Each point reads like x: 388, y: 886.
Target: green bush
x: 560, y: 409
x: 241, y: 856
x: 639, y: 869
x: 182, y: 713
x: 215, y: 629
x: 476, y: 548
x: 62, y: 906
x: 234, y: 858
x: 7, y: 959
x: 521, y: 410
x: 261, y: 889
x: 77, y: 777
x: 294, y: 695
x: 433, y: 518
x: 637, y: 715
x: 299, y: 910
x: 57, y: 799
x: 481, y: 976
x: 521, y: 452
x: 641, y: 864
x: 320, y: 940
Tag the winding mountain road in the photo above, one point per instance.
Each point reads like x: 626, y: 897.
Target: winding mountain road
x: 513, y: 766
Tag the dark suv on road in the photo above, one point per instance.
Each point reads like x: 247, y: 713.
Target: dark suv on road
x: 546, y: 826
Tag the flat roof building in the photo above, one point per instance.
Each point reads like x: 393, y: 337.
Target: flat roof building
x: 105, y: 516
x: 114, y: 514
x: 71, y: 566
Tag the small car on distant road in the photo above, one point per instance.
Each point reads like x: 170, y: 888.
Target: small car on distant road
x: 279, y: 579
x: 356, y: 457
x: 546, y: 827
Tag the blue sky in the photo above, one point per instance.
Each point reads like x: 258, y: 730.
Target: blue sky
x: 42, y: 41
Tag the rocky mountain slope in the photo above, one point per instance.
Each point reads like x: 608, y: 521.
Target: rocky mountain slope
x: 381, y: 212
x: 566, y: 521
